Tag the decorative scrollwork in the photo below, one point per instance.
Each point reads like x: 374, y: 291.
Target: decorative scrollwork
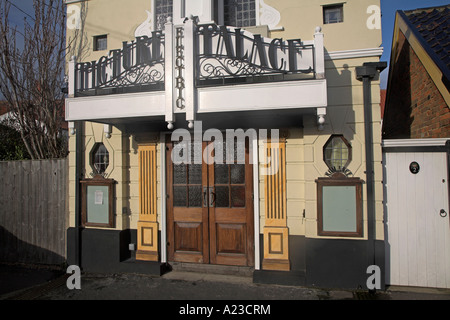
x: 226, y: 67
x: 221, y: 67
x: 138, y: 75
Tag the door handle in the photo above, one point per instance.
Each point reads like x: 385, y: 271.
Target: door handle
x: 212, y: 197
x: 205, y: 197
x: 443, y: 213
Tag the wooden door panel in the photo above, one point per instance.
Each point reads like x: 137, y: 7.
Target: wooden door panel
x: 188, y: 237
x: 230, y: 238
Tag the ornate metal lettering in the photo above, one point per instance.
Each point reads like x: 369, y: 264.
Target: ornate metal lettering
x: 139, y: 65
x: 179, y: 68
x: 229, y: 54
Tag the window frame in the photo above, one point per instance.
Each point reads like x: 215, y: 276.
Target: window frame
x: 339, y: 6
x: 92, y: 158
x: 100, y: 37
x: 349, y: 148
x: 338, y: 182
x: 97, y: 181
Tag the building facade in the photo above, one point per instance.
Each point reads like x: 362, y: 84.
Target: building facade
x: 226, y: 133
x: 416, y: 151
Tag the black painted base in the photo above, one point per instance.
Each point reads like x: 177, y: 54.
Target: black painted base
x: 327, y: 263
x: 107, y: 251
x: 324, y: 263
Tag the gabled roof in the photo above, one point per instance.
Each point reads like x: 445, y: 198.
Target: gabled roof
x: 431, y: 26
x: 427, y: 32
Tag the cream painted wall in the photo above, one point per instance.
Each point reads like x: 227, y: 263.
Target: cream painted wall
x: 299, y: 18
x: 304, y: 146
x: 117, y: 19
x: 345, y: 115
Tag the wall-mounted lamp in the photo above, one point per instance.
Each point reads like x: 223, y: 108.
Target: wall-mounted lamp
x: 321, y: 113
x: 107, y: 128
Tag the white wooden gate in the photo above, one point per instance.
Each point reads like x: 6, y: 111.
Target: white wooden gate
x: 417, y: 216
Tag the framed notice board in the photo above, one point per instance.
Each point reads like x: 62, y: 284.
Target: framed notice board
x: 339, y: 207
x: 97, y: 202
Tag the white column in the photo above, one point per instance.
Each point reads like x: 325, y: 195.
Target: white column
x: 163, y: 243
x: 256, y: 201
x: 319, y: 54
x: 72, y: 83
x: 168, y: 69
x: 189, y: 63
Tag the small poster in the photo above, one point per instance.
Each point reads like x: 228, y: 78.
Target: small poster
x: 98, y: 197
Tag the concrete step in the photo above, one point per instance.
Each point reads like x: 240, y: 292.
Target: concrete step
x: 212, y: 269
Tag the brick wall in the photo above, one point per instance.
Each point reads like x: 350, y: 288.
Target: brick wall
x: 430, y: 113
x: 415, y: 108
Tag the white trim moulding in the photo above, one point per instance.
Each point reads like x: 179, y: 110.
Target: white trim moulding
x: 359, y: 53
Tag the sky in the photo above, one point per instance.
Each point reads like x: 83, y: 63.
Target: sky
x: 388, y: 10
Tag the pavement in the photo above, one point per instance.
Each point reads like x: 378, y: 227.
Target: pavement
x: 36, y: 283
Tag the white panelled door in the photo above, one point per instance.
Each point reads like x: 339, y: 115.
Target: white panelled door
x: 417, y: 219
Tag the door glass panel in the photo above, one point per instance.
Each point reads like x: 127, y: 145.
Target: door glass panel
x: 195, y: 169
x: 195, y: 196
x: 238, y: 197
x: 179, y: 174
x: 195, y: 174
x: 179, y: 196
x: 221, y: 174
x: 222, y: 197
x: 237, y: 173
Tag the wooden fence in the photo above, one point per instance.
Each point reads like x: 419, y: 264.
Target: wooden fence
x: 33, y: 211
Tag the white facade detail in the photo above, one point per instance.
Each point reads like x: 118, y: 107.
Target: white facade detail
x: 146, y: 28
x: 269, y: 16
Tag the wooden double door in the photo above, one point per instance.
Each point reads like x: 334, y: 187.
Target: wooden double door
x: 210, y: 205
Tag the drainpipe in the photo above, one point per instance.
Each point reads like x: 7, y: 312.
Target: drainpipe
x: 78, y: 164
x: 366, y: 73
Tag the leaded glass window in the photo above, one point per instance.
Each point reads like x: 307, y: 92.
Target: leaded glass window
x: 100, y: 158
x: 240, y: 13
x: 164, y: 9
x: 337, y: 153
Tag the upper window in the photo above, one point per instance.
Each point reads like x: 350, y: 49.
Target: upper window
x: 99, y: 158
x: 100, y: 42
x: 333, y: 14
x: 337, y: 153
x: 164, y: 9
x: 240, y: 13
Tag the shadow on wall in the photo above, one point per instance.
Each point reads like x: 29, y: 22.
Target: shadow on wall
x: 397, y: 116
x: 14, y: 250
x: 340, y: 117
